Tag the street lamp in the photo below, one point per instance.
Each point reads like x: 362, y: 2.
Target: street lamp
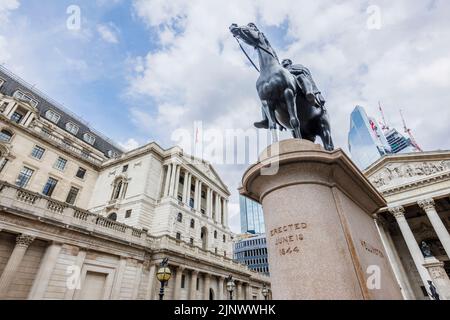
x: 230, y: 286
x: 163, y: 275
x: 265, y: 291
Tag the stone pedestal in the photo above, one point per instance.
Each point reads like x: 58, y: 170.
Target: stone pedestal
x: 439, y: 277
x: 322, y: 241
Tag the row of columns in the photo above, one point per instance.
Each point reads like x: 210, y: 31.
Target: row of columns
x: 239, y: 294
x: 428, y: 206
x: 216, y: 205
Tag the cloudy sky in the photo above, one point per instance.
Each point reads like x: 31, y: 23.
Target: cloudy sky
x: 140, y: 70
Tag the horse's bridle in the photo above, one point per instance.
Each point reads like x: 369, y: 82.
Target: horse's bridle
x: 255, y: 47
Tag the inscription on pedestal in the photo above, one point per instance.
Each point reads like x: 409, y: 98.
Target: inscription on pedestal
x: 288, y: 238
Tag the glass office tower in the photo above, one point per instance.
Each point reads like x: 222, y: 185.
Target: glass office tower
x: 398, y: 142
x: 366, y: 141
x: 252, y: 218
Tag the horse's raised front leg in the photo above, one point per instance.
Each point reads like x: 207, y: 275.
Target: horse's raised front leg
x: 292, y: 109
x: 270, y: 113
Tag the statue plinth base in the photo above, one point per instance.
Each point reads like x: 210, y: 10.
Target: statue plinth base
x: 322, y: 240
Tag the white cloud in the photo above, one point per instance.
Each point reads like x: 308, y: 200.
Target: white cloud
x: 200, y: 70
x: 130, y: 144
x: 108, y: 32
x: 6, y: 6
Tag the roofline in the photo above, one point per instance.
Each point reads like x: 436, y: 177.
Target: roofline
x: 59, y: 105
x: 405, y: 156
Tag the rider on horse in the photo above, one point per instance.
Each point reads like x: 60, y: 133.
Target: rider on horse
x: 306, y: 84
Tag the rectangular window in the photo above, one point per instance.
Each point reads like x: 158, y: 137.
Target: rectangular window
x: 72, y: 128
x: 128, y: 214
x: 178, y: 236
x: 192, y: 241
x: 60, y: 164
x: 3, y: 163
x: 24, y: 177
x: 183, y: 281
x: 72, y: 195
x: 37, y: 152
x: 81, y: 173
x: 52, y: 116
x: 125, y: 168
x: 16, y: 117
x: 49, y: 187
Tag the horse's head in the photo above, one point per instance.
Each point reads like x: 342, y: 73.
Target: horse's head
x: 250, y: 34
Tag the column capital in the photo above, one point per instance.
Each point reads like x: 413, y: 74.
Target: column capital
x: 397, y: 212
x: 426, y: 204
x: 24, y: 240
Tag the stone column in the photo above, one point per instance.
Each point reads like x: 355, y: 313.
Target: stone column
x: 172, y: 179
x: 199, y: 198
x: 22, y: 243
x: 221, y: 288
x: 196, y: 194
x: 238, y: 290
x: 167, y: 181
x: 438, y: 276
x: 185, y: 187
x: 177, y: 288
x: 177, y: 182
x: 207, y: 286
x: 225, y: 213
x: 439, y: 227
x: 394, y: 259
x: 411, y: 243
x: 44, y: 274
x: 193, y: 287
x: 151, y: 282
x: 208, y: 202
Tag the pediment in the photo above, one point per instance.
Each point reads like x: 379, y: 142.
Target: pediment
x: 208, y: 171
x: 397, y: 173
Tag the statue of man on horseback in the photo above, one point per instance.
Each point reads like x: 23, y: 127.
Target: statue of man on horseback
x: 289, y: 96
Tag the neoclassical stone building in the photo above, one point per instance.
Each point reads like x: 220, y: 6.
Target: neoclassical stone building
x: 416, y: 187
x: 81, y: 219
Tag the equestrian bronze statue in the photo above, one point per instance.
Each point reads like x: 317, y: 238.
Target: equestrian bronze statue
x: 289, y: 97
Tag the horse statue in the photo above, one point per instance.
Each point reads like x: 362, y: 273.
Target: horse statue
x: 284, y: 103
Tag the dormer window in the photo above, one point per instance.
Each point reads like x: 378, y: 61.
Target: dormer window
x: 89, y: 138
x: 72, y: 128
x: 19, y: 95
x: 52, y: 116
x: 112, y: 154
x: 1, y: 82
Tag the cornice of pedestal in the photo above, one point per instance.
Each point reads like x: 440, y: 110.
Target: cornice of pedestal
x: 332, y: 169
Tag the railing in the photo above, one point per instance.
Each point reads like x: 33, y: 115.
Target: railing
x: 36, y: 204
x: 70, y: 148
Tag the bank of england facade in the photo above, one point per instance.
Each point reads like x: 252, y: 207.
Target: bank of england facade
x: 80, y: 219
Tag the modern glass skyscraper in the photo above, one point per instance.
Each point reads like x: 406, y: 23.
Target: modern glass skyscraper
x: 366, y: 141
x: 252, y: 218
x: 398, y: 143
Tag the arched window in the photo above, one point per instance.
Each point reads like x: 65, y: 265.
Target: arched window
x: 192, y: 223
x: 224, y: 238
x: 5, y: 135
x: 119, y: 189
x: 180, y: 217
x: 112, y: 216
x: 215, y: 234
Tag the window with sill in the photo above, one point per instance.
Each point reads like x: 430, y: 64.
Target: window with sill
x: 215, y: 234
x: 128, y: 214
x: 5, y: 135
x: 3, y: 162
x: 72, y: 195
x: 49, y: 187
x: 17, y: 117
x: 89, y: 138
x: 180, y: 217
x: 191, y: 241
x: 119, y: 189
x: 81, y: 173
x: 72, y: 128
x: 192, y: 223
x: 24, y: 177
x: 60, y: 164
x: 19, y: 95
x: 37, y: 152
x: 52, y: 116
x: 178, y: 236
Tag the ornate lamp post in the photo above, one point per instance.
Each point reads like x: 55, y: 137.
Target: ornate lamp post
x: 163, y: 275
x: 230, y: 286
x: 265, y: 291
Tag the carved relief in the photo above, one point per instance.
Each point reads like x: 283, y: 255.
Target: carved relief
x: 406, y: 172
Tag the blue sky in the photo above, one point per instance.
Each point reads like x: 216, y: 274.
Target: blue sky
x: 140, y: 70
